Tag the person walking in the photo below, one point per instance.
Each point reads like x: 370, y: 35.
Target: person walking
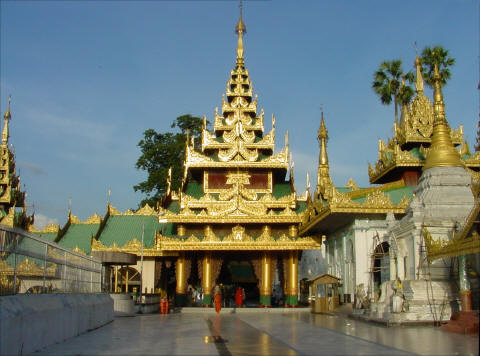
x: 217, y: 298
x: 239, y: 297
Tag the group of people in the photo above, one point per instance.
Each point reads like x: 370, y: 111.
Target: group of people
x: 217, y: 297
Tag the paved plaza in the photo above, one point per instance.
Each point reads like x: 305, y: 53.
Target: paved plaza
x: 260, y: 333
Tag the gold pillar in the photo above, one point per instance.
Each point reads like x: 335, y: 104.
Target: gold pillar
x: 115, y: 289
x: 292, y: 284
x: 181, y: 276
x: 293, y: 230
x: 207, y: 273
x: 181, y: 230
x: 126, y: 280
x: 266, y: 282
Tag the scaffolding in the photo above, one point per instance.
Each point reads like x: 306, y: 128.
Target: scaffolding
x: 437, y: 309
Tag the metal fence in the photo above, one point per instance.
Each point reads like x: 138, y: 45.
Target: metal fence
x: 31, y: 264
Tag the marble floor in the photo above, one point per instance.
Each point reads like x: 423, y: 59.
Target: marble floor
x: 257, y: 333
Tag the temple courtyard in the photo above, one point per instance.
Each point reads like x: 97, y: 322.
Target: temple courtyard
x: 260, y: 332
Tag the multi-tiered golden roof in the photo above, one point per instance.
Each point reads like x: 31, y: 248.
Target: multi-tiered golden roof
x: 403, y: 156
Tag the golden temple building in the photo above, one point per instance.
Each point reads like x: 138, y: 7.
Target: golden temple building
x: 235, y: 219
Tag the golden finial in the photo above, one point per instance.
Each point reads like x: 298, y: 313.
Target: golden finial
x: 323, y: 172
x: 7, y: 116
x: 240, y: 25
x: 418, y: 76
x: 7, y: 113
x: 323, y: 137
x: 240, y: 29
x: 442, y: 153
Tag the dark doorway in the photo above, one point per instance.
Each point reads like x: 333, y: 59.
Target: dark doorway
x: 237, y: 270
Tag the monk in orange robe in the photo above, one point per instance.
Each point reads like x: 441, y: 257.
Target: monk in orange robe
x: 239, y: 297
x: 217, y: 298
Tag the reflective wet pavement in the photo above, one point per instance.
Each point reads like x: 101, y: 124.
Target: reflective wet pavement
x: 260, y: 333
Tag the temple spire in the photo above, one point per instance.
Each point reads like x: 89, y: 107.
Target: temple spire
x: 418, y: 76
x: 6, y: 117
x: 442, y: 153
x: 323, y: 174
x: 240, y: 29
x: 322, y: 138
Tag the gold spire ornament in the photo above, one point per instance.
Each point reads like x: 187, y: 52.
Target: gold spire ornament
x: 323, y: 174
x: 6, y: 117
x: 240, y: 29
x: 418, y: 76
x: 442, y: 153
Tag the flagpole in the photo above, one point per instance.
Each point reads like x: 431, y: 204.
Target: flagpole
x: 141, y: 262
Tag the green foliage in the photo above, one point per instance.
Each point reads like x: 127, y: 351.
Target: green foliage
x: 438, y: 55
x: 388, y: 83
x: 160, y: 151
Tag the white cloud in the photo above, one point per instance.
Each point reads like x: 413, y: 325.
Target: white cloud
x: 41, y: 221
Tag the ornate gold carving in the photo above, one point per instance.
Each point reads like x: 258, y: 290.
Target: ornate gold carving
x: 133, y: 246
x: 9, y: 218
x: 375, y: 201
x: 146, y: 210
x: 442, y: 248
x: 113, y: 211
x: 50, y: 228
x: 238, y: 240
x: 29, y: 268
x: 351, y: 184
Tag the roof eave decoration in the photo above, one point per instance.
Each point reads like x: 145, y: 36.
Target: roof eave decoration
x: 376, y: 202
x: 146, y: 210
x: 50, y: 228
x: 238, y: 239
x: 92, y: 220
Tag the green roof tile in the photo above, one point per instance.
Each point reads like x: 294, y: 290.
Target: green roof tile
x: 194, y: 189
x: 396, y: 195
x: 415, y: 152
x: 281, y: 189
x: 301, y: 206
x: 79, y: 235
x: 121, y: 229
x: 50, y: 236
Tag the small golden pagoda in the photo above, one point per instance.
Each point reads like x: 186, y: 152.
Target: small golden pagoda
x: 403, y: 156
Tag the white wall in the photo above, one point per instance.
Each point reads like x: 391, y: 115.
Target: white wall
x: 29, y: 322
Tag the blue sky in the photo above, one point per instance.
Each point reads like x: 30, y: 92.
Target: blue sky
x: 87, y: 78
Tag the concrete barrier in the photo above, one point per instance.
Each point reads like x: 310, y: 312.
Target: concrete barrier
x: 29, y: 322
x: 122, y: 304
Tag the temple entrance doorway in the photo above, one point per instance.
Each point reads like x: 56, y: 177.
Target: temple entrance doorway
x: 237, y: 271
x: 381, y: 267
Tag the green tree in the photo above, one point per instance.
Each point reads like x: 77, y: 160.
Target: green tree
x: 387, y: 83
x: 438, y: 55
x: 160, y: 151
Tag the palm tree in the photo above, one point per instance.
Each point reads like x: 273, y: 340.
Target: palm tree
x: 388, y: 85
x: 438, y: 55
